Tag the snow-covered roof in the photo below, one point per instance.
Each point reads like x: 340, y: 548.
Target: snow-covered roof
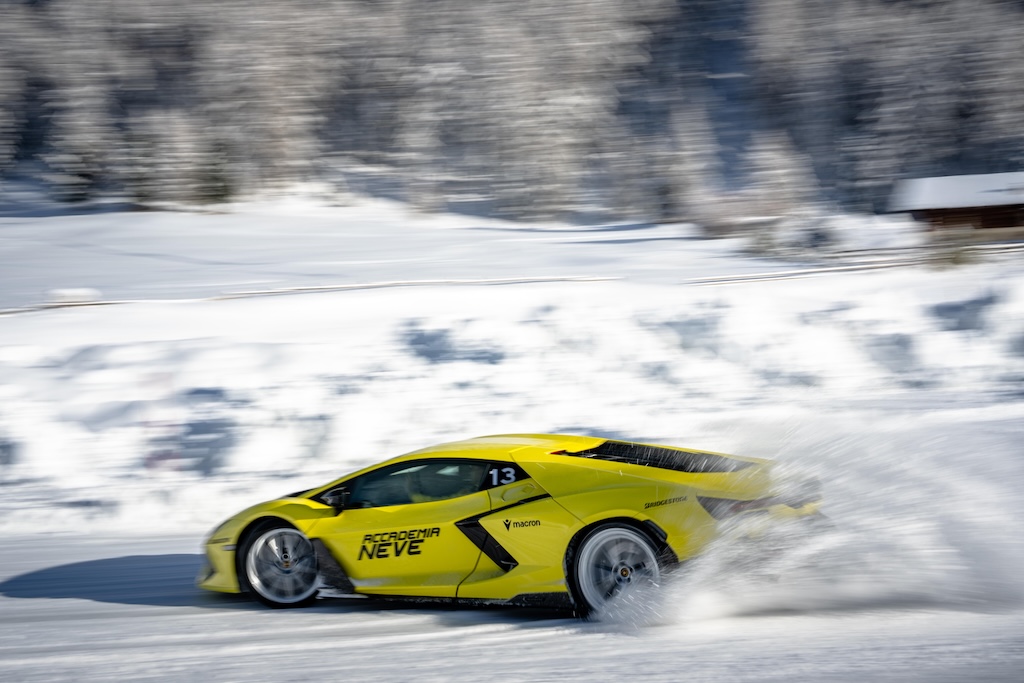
x: 958, y: 192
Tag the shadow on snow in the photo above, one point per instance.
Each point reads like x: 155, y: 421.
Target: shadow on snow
x: 155, y: 580
x: 169, y: 581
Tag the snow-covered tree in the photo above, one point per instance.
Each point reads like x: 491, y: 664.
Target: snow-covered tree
x: 876, y: 90
x: 539, y: 106
x: 10, y: 89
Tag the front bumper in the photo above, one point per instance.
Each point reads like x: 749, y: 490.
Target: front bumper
x: 218, y: 572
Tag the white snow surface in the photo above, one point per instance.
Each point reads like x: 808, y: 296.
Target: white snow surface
x: 901, y: 389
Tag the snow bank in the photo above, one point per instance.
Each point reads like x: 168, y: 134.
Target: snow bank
x: 900, y: 389
x: 118, y: 408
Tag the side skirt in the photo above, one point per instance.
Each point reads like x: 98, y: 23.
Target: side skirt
x: 556, y: 602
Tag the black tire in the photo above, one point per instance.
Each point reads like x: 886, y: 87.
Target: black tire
x: 608, y: 562
x: 277, y: 564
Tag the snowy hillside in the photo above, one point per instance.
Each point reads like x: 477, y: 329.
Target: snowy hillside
x: 901, y: 388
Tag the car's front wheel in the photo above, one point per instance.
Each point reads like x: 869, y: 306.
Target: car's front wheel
x: 278, y: 563
x: 611, y: 562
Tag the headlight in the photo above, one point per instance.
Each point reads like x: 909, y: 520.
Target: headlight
x: 218, y: 535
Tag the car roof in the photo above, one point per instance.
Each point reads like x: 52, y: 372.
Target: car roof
x: 495, y: 447
x: 503, y: 445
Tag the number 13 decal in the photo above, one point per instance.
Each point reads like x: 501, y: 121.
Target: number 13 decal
x: 503, y: 475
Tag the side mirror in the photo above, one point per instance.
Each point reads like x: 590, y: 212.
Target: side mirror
x: 337, y: 498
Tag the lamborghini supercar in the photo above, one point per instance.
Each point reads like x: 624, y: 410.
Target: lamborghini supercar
x: 536, y: 519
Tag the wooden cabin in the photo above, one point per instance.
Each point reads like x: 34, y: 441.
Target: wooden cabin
x: 990, y: 206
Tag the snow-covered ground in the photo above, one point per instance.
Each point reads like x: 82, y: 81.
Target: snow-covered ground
x: 901, y: 389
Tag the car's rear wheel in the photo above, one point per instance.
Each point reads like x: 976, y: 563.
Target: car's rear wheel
x: 278, y: 564
x: 611, y: 562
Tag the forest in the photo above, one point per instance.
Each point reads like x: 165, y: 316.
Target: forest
x: 663, y: 110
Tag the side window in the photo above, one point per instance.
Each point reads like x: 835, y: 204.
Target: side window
x: 388, y: 486
x: 418, y: 482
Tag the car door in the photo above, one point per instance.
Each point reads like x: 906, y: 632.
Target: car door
x: 397, y: 533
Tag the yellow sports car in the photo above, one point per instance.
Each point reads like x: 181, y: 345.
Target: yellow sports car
x: 534, y: 519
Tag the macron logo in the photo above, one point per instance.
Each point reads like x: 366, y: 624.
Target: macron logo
x: 522, y: 524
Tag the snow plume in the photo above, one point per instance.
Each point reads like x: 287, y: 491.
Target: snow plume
x: 918, y: 513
